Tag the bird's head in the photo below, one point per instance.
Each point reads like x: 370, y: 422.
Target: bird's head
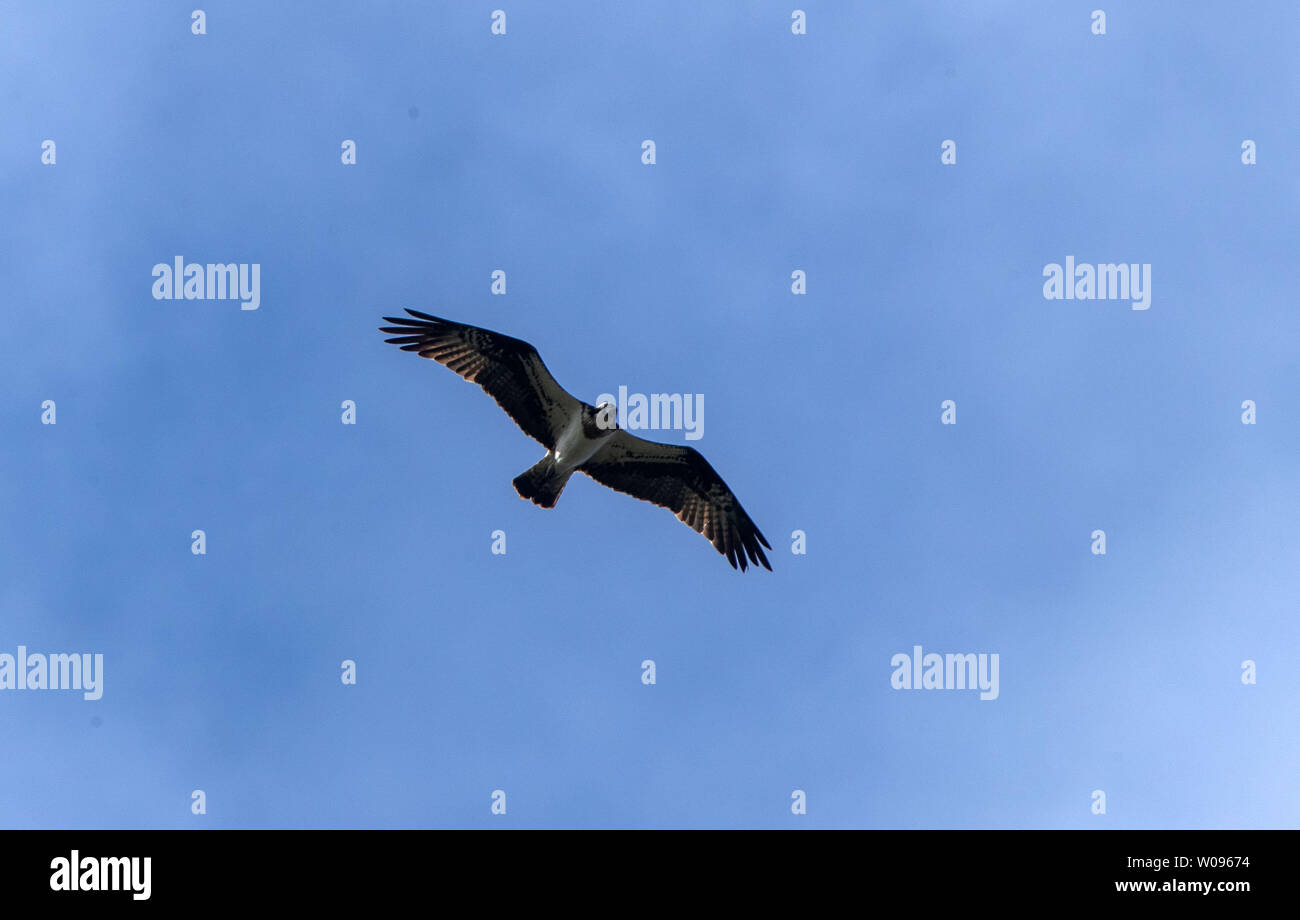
x: 607, y: 417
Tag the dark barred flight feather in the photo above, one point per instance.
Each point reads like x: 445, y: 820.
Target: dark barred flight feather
x: 681, y: 480
x: 509, y: 370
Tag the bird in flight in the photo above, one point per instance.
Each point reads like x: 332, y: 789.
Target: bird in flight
x: 583, y: 438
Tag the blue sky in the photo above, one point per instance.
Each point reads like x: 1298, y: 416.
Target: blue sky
x: 775, y: 152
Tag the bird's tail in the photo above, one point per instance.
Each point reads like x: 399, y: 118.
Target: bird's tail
x: 542, y: 483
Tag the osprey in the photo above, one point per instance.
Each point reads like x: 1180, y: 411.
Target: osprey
x: 583, y: 438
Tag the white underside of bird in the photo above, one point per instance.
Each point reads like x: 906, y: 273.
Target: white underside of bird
x: 574, y: 447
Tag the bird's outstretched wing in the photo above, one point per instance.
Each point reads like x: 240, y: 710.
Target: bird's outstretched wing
x: 510, y: 370
x: 681, y: 480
